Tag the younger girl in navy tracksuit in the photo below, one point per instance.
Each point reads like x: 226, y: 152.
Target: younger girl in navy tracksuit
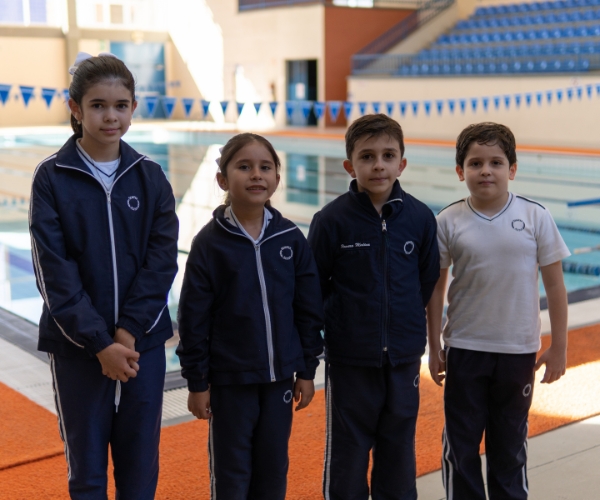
x: 104, y: 246
x: 249, y: 318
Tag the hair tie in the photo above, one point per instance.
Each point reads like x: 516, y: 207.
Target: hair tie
x: 82, y: 56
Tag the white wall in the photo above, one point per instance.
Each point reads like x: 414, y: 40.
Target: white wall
x: 575, y: 123
x: 35, y: 62
x: 256, y: 45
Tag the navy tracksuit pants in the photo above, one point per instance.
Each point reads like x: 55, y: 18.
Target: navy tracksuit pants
x: 88, y: 424
x: 248, y: 440
x: 489, y: 392
x: 371, y: 409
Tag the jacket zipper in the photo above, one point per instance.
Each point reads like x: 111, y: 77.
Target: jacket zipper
x: 110, y: 226
x: 263, y: 293
x: 113, y: 252
x: 385, y: 285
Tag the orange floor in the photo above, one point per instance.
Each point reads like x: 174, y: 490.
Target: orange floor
x: 32, y: 464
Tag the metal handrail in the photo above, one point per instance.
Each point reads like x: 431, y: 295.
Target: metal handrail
x: 265, y: 4
x: 400, y: 31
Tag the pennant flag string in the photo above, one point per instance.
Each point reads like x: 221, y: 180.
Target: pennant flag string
x: 188, y: 104
x: 4, y: 91
x: 319, y: 109
x: 334, y: 110
x: 205, y: 106
x: 168, y: 104
x: 26, y: 93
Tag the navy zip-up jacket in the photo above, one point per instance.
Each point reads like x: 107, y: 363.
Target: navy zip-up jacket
x: 377, y: 275
x: 102, y: 259
x: 249, y: 313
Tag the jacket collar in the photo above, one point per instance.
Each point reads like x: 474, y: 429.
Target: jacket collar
x: 391, y: 207
x: 277, y: 224
x: 68, y: 156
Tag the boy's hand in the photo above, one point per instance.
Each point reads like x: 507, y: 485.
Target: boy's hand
x: 199, y: 404
x: 304, y: 391
x: 556, y: 364
x: 125, y: 338
x: 437, y: 367
x: 118, y: 362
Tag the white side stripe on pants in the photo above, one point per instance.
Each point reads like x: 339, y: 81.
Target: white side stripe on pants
x: 61, y: 425
x: 328, y: 418
x: 211, y: 461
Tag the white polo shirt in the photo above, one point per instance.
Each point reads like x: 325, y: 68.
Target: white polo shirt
x: 494, y: 302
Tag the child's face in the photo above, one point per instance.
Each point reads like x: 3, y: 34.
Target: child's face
x: 376, y: 163
x: 486, y: 171
x: 105, y: 112
x: 252, y: 176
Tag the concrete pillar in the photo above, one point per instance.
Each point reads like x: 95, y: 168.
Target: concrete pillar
x: 72, y: 34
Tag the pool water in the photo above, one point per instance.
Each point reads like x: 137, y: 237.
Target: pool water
x: 311, y: 176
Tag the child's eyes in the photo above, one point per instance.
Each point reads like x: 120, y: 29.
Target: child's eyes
x: 389, y: 155
x: 266, y: 167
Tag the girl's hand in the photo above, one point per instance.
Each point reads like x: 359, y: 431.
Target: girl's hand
x: 199, y: 404
x: 304, y: 391
x: 125, y: 338
x: 118, y: 362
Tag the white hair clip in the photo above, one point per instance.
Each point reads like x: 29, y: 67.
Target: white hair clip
x: 82, y: 56
x: 218, y: 160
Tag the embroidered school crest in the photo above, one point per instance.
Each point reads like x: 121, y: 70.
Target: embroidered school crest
x: 133, y: 203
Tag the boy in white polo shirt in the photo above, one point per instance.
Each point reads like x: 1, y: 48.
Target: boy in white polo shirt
x: 495, y: 241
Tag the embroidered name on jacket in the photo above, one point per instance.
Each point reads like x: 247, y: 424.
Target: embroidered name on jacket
x: 355, y: 245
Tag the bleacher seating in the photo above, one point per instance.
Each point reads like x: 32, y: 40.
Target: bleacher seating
x: 518, y: 38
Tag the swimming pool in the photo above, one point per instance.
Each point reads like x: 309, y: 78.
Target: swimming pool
x: 311, y: 174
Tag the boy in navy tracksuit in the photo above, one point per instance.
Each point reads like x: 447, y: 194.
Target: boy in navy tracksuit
x: 104, y: 247
x: 378, y: 261
x: 250, y: 317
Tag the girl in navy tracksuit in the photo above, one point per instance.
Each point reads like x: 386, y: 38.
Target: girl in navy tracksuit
x: 249, y: 318
x: 104, y: 245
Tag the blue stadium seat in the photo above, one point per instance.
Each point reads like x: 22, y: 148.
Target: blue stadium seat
x: 529, y: 66
x: 542, y: 65
x: 493, y: 23
x: 568, y: 32
x: 543, y: 34
x: 446, y: 69
x: 531, y: 35
x: 519, y: 35
x: 435, y: 69
x: 584, y: 64
x: 570, y: 65
x: 512, y: 8
x: 581, y: 31
x: 523, y: 7
x: 424, y: 69
x: 556, y: 65
x: 491, y: 67
x: 480, y: 68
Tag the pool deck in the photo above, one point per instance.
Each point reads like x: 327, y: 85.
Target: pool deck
x: 562, y: 463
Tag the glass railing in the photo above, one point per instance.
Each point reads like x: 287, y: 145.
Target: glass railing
x: 393, y: 4
x: 411, y: 65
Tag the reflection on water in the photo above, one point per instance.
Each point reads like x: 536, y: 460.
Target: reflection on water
x: 311, y: 176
